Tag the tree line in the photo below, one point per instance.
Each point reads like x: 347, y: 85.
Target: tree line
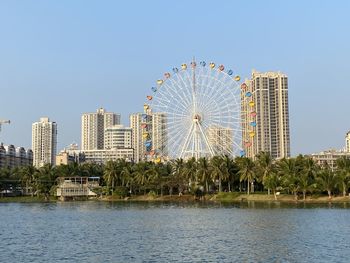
x: 299, y: 176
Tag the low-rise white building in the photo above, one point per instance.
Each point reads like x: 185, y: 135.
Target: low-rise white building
x: 329, y: 157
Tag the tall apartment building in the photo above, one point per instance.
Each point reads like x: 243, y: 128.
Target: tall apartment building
x: 44, y: 142
x: 93, y: 126
x: 266, y: 118
x: 117, y: 136
x: 347, y: 142
x: 148, y: 134
x: 159, y: 133
x: 138, y: 142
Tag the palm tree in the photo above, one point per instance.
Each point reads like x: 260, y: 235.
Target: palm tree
x: 265, y: 166
x: 203, y: 172
x: 140, y: 174
x: 127, y: 176
x: 190, y: 170
x: 272, y: 181
x: 343, y: 173
x: 289, y: 170
x: 307, y: 176
x: 246, y: 171
x: 111, y: 174
x: 219, y: 171
x: 327, y: 180
x: 44, y: 179
x: 232, y: 170
x: 27, y: 178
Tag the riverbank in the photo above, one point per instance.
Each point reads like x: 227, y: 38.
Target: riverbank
x: 231, y: 197
x: 221, y: 197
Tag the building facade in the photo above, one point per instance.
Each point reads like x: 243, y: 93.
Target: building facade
x: 105, y: 155
x: 44, y: 142
x: 329, y: 158
x: 93, y: 126
x: 13, y: 157
x: 220, y: 139
x: 138, y: 141
x: 117, y: 136
x: 148, y: 135
x: 347, y: 142
x: 65, y: 158
x: 265, y: 118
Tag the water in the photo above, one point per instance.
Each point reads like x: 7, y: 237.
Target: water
x: 166, y: 232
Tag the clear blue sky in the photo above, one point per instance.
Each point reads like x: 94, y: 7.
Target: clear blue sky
x: 63, y: 58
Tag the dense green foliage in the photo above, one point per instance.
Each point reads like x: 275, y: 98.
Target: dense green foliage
x: 297, y: 176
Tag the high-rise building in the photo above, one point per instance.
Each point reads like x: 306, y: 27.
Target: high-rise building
x: 148, y: 134
x: 159, y: 134
x: 93, y: 126
x: 44, y: 142
x: 220, y: 139
x: 117, y: 136
x: 266, y: 118
x: 347, y: 142
x: 138, y: 142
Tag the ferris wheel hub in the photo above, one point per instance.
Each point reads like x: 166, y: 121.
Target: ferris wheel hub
x: 197, y: 118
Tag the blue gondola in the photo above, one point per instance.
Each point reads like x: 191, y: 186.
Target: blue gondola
x: 248, y: 94
x: 154, y: 89
x: 242, y: 153
x: 230, y: 72
x: 176, y: 70
x: 253, y: 124
x: 202, y: 63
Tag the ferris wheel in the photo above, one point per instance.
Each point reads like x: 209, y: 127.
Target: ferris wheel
x: 198, y: 110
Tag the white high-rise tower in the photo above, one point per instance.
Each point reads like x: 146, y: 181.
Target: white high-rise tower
x: 271, y: 112
x: 93, y: 126
x: 44, y: 142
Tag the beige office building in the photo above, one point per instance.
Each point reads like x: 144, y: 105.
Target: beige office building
x: 265, y: 116
x: 117, y: 137
x: 44, y: 142
x: 93, y: 126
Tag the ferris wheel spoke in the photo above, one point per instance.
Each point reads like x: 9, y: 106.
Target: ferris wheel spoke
x: 161, y: 103
x: 182, y: 86
x: 174, y: 95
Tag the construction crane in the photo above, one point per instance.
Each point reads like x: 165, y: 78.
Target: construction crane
x: 4, y: 122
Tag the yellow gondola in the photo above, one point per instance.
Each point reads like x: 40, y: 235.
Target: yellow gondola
x: 237, y: 78
x: 157, y: 160
x: 184, y: 66
x: 251, y: 103
x: 251, y: 134
x: 160, y: 81
x: 212, y: 65
x: 145, y: 107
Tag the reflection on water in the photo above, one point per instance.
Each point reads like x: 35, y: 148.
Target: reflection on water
x: 173, y: 232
